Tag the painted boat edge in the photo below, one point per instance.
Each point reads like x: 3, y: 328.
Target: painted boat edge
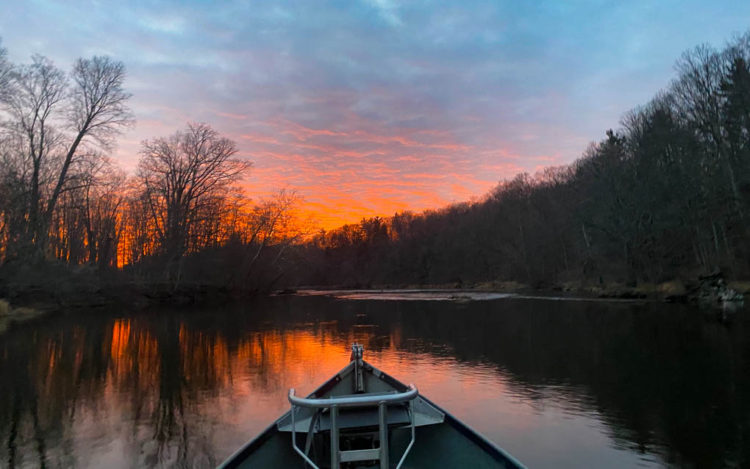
x: 497, y: 452
x: 488, y: 446
x: 473, y: 435
x: 236, y: 458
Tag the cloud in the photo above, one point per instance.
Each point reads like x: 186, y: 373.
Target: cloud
x: 387, y: 10
x: 367, y: 107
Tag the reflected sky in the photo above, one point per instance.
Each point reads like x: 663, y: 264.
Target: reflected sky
x: 560, y: 384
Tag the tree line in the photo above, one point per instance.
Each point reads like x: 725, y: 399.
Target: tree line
x: 665, y: 196
x: 181, y: 217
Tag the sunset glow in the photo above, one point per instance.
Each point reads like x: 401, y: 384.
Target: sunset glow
x: 373, y: 107
x: 530, y: 218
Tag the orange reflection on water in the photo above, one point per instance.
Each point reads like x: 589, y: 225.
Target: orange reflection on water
x: 120, y: 339
x: 133, y: 355
x: 260, y: 364
x: 204, y: 358
x: 187, y: 387
x: 190, y: 388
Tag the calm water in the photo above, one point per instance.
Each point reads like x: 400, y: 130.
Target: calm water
x: 556, y: 383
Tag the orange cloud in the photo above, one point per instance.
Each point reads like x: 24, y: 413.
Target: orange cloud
x: 363, y: 169
x: 356, y: 167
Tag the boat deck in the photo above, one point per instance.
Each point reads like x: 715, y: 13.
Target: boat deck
x: 436, y: 446
x: 360, y: 406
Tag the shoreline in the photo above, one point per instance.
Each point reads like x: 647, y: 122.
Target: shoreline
x: 32, y: 301
x: 10, y: 315
x: 674, y: 291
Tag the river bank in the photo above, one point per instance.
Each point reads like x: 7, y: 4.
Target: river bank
x: 57, y: 287
x: 674, y: 291
x: 10, y: 314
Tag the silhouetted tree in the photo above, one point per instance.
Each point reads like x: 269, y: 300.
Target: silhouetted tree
x: 182, y: 176
x: 90, y: 103
x: 666, y: 195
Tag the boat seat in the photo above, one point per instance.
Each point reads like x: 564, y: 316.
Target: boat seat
x: 364, y: 417
x: 424, y: 414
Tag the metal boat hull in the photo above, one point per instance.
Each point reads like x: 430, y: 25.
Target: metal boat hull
x: 441, y: 440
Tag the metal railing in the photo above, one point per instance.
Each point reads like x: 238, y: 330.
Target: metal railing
x: 334, y: 403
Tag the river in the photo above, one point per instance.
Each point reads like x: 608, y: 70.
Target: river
x: 557, y: 383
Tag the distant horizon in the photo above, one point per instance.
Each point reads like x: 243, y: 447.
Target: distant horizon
x: 371, y: 108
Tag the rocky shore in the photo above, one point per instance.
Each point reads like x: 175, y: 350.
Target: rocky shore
x: 709, y: 290
x: 10, y: 314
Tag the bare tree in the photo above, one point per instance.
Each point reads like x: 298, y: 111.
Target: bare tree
x: 103, y: 197
x: 98, y: 110
x: 4, y: 70
x: 138, y: 237
x: 59, y: 119
x: 37, y: 91
x: 699, y: 100
x: 182, y: 175
x: 273, y: 222
x: 13, y: 192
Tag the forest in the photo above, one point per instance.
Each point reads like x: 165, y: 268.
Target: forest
x: 67, y: 210
x: 665, y: 196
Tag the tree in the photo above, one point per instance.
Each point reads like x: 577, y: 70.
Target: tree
x: 58, y: 119
x: 699, y: 100
x: 735, y: 89
x: 103, y: 197
x: 257, y: 244
x: 4, y: 69
x: 181, y: 176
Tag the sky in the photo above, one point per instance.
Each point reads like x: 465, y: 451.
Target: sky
x: 370, y: 107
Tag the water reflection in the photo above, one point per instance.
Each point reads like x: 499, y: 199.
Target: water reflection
x: 555, y: 383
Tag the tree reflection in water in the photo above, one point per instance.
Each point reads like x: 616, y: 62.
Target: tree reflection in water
x: 185, y: 388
